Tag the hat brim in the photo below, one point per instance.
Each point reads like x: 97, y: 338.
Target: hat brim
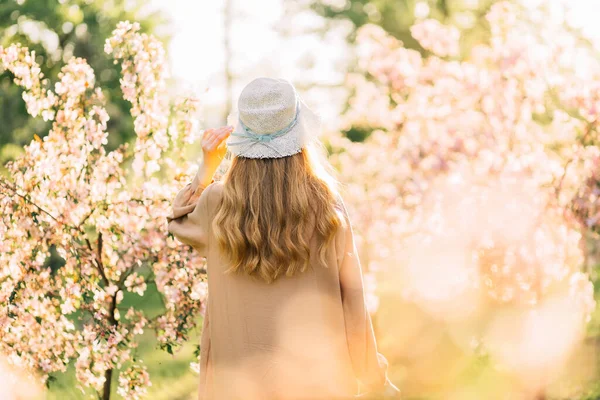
x: 307, y: 126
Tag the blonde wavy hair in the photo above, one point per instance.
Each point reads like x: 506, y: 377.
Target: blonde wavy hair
x: 268, y: 207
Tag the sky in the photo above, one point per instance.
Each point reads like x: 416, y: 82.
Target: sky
x: 196, y: 50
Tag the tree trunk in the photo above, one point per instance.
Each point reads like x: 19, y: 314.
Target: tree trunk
x: 106, y: 391
x: 109, y: 372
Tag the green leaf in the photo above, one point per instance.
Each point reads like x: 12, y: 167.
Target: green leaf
x: 50, y: 380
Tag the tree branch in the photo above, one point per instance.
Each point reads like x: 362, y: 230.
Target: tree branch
x: 24, y: 197
x: 589, y: 130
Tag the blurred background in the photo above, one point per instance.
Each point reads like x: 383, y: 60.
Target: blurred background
x: 214, y: 49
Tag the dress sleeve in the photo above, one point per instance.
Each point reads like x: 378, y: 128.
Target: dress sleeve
x: 188, y: 220
x: 205, y: 364
x: 370, y: 366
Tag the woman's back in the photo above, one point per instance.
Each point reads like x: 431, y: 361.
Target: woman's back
x: 280, y: 339
x: 286, y: 315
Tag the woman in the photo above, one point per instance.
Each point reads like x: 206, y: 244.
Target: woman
x: 286, y: 315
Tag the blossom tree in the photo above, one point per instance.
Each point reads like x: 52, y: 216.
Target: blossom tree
x: 475, y: 194
x: 107, y: 224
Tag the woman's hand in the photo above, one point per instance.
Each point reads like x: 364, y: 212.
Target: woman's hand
x: 213, y: 150
x: 213, y: 145
x: 390, y: 391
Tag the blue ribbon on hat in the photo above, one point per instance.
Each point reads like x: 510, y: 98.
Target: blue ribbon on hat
x: 252, y: 138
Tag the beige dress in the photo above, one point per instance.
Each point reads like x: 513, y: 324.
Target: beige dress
x: 304, y: 337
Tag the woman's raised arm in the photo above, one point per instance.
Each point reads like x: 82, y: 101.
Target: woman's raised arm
x: 188, y: 219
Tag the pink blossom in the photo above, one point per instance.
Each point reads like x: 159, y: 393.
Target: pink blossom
x: 68, y: 191
x: 437, y: 38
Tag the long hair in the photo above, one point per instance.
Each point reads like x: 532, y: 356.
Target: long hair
x: 268, y: 208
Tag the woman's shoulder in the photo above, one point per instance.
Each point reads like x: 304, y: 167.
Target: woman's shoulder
x: 344, y: 221
x: 216, y: 187
x: 211, y: 194
x: 340, y: 206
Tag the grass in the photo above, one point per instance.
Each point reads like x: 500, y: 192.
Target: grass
x: 171, y: 375
x: 172, y: 378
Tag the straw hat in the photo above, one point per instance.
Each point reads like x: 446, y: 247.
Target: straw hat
x: 272, y: 121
